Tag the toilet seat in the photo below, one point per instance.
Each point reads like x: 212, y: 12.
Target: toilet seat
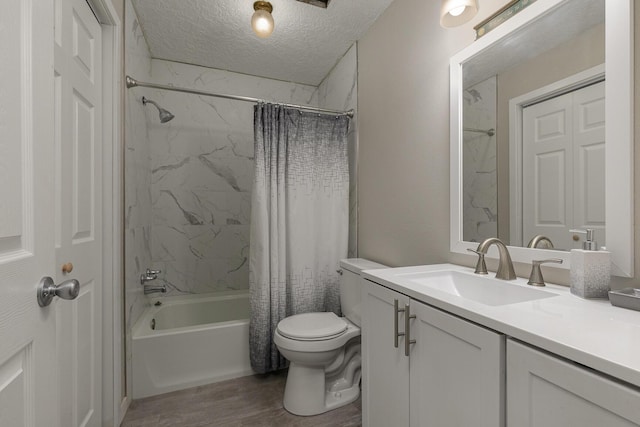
x: 312, y: 326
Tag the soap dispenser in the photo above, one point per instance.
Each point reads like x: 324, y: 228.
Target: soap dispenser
x: 590, y: 268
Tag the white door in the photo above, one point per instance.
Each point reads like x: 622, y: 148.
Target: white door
x: 27, y: 332
x: 588, y: 161
x: 547, y: 165
x: 563, y: 167
x: 385, y: 368
x: 49, y: 176
x: 457, y: 371
x: 78, y: 238
x: 545, y: 391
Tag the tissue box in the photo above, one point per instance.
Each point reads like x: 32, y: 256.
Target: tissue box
x: 590, y: 273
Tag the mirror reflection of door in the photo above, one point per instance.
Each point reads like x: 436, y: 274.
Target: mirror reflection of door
x: 563, y: 167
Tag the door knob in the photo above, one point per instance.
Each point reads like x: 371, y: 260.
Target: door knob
x: 47, y: 289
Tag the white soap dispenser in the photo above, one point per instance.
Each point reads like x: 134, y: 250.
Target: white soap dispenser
x: 590, y: 268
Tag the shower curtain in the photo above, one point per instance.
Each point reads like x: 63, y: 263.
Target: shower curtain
x: 299, y: 221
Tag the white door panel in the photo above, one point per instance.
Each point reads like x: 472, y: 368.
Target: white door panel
x: 78, y: 220
x: 563, y: 167
x: 547, y: 156
x: 27, y: 332
x: 589, y: 176
x: 550, y: 189
x: 49, y: 181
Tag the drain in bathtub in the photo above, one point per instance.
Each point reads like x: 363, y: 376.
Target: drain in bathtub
x: 153, y: 324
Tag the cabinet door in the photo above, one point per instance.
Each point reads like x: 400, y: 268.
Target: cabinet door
x: 545, y: 391
x: 385, y: 368
x: 457, y: 371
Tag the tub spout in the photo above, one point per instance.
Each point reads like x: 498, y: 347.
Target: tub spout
x: 148, y: 289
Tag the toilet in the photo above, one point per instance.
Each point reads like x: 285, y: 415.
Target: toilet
x: 324, y: 349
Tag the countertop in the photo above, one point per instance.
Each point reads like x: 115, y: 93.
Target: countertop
x: 590, y: 332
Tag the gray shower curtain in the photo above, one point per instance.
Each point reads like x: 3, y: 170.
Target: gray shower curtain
x: 299, y: 221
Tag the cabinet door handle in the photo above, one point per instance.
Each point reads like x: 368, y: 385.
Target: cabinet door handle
x: 396, y: 313
x: 407, y: 325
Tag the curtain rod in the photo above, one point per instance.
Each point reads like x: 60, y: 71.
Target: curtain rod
x: 131, y: 82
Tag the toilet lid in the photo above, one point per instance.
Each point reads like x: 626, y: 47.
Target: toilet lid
x: 310, y: 326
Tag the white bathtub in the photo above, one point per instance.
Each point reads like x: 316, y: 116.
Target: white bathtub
x: 198, y: 339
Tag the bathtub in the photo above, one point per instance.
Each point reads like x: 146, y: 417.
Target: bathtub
x: 188, y: 341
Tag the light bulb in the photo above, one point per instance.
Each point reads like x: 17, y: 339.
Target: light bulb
x: 457, y: 11
x: 262, y: 21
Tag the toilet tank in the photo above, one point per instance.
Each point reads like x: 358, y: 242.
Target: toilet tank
x: 351, y: 286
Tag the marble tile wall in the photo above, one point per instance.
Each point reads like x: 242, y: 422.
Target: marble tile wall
x: 137, y: 181
x: 188, y: 181
x: 480, y: 191
x: 137, y: 168
x: 339, y: 91
x: 202, y: 173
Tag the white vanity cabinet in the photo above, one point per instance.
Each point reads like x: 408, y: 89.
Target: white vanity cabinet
x: 385, y: 368
x: 546, y: 391
x: 453, y: 374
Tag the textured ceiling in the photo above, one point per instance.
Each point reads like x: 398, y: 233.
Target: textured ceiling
x: 306, y: 43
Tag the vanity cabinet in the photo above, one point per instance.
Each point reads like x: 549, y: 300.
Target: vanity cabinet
x: 385, y: 368
x: 453, y: 374
x: 546, y: 391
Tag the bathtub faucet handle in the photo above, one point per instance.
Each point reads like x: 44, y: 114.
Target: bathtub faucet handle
x: 149, y: 275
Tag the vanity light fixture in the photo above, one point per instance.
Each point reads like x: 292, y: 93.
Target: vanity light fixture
x: 457, y: 12
x: 262, y: 20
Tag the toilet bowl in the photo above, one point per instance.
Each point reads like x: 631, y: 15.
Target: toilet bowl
x: 324, y: 350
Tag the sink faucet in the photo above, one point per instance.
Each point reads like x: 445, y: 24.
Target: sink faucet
x: 505, y: 265
x: 540, y: 241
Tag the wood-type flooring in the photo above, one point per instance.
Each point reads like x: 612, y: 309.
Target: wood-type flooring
x: 249, y: 401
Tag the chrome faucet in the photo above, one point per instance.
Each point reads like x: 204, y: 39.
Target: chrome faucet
x: 152, y: 289
x: 505, y: 265
x: 543, y: 241
x: 149, y: 275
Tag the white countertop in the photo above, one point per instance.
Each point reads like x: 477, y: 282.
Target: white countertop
x: 591, y: 332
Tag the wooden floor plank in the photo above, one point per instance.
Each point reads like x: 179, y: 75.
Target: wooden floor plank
x: 254, y: 401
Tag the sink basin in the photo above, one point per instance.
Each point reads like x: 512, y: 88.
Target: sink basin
x: 482, y: 289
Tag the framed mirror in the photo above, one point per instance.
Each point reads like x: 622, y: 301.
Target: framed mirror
x: 542, y: 133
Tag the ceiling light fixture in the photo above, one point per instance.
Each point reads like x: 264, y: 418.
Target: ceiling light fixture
x: 262, y: 21
x: 457, y: 12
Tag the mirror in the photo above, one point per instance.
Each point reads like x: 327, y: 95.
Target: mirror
x: 528, y: 133
x: 533, y: 134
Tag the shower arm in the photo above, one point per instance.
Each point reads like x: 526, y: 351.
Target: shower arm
x: 131, y: 82
x: 146, y: 101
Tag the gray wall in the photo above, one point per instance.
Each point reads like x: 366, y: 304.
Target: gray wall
x: 403, y: 97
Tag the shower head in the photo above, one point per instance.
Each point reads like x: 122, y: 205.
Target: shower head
x: 165, y: 115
